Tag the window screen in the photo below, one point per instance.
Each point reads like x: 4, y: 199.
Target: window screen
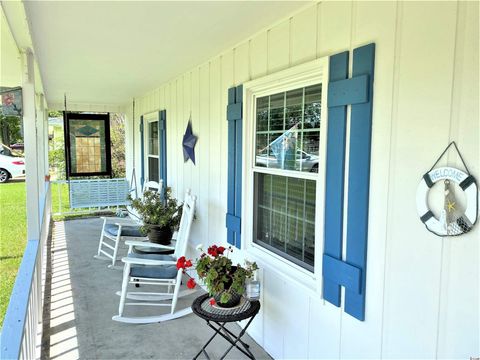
x: 285, y: 217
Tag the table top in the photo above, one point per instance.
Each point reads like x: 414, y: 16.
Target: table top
x: 153, y: 250
x: 201, y: 307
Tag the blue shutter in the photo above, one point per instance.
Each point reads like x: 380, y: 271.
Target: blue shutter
x: 234, y: 198
x: 359, y: 179
x: 357, y: 92
x: 142, y: 154
x: 337, y: 119
x: 162, y: 138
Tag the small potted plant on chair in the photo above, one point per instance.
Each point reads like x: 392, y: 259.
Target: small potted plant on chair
x: 161, y: 215
x: 224, y: 281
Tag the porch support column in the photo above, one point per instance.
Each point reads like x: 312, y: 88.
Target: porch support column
x: 30, y: 139
x: 46, y: 141
x: 41, y: 144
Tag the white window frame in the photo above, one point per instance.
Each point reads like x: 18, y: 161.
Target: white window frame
x: 147, y: 120
x: 303, y: 75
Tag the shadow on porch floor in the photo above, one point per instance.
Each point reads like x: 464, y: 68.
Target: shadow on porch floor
x: 80, y: 301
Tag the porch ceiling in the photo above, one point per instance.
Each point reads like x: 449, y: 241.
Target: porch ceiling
x: 108, y: 52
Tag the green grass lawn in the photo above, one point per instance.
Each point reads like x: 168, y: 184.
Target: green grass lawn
x: 13, y: 230
x: 13, y: 237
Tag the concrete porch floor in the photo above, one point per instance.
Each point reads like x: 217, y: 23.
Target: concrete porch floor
x: 80, y: 301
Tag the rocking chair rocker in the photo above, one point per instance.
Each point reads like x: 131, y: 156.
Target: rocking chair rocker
x: 160, y: 270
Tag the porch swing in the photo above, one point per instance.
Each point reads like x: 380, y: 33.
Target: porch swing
x: 88, y: 156
x: 88, y: 160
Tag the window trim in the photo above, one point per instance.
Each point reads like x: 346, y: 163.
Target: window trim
x: 303, y: 75
x: 149, y: 118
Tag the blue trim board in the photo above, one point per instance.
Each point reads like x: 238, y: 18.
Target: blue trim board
x: 234, y: 112
x: 342, y: 273
x: 348, y: 91
x: 233, y: 223
x: 334, y: 182
x: 358, y: 93
x: 359, y: 180
x: 234, y: 198
x: 142, y: 153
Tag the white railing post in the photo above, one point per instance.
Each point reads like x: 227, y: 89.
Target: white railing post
x: 41, y: 143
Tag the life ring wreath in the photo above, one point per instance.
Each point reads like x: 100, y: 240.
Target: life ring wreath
x: 451, y: 221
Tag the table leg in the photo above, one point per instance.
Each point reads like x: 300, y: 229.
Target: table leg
x: 237, y: 339
x: 229, y: 336
x: 217, y: 331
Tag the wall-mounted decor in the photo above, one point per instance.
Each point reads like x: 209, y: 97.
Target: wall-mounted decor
x: 11, y: 101
x: 189, y: 141
x: 87, y: 144
x: 453, y: 220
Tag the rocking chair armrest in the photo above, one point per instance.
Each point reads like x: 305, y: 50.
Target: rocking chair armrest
x: 148, y: 244
x: 141, y: 261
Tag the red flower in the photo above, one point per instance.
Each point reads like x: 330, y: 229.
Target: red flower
x: 181, y: 263
x: 212, y: 301
x: 191, y: 283
x: 213, y: 250
x: 188, y: 263
x: 220, y: 250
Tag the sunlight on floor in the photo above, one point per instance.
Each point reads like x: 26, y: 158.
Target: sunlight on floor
x: 63, y: 332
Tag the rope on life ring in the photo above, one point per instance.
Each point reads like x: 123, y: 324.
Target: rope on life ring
x: 451, y: 221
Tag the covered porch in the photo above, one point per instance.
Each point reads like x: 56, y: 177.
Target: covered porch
x: 80, y: 301
x: 336, y: 233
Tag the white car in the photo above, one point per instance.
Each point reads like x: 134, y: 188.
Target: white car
x: 305, y: 161
x: 11, y: 164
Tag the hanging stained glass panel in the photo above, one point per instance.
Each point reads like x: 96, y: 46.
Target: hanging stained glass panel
x: 87, y: 143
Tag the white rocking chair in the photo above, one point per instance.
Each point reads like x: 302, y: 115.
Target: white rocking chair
x: 160, y: 270
x: 117, y: 229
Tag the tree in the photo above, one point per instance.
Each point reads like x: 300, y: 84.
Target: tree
x: 117, y: 138
x: 10, y: 129
x: 55, y: 114
x: 56, y: 153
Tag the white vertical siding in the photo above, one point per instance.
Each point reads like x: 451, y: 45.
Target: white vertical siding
x: 422, y: 291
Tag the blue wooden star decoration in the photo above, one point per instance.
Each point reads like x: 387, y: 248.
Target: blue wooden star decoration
x: 189, y: 141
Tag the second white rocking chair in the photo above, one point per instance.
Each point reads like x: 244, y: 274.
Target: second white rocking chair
x: 115, y: 230
x: 160, y: 270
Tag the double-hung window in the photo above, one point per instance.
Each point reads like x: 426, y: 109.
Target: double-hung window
x: 286, y: 141
x: 152, y: 148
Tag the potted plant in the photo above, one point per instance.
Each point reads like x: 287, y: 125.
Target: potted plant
x: 161, y: 215
x: 224, y: 281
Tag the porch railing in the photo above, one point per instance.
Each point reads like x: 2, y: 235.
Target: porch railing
x: 21, y: 332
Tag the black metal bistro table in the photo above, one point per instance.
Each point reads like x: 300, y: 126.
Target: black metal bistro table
x: 216, y: 318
